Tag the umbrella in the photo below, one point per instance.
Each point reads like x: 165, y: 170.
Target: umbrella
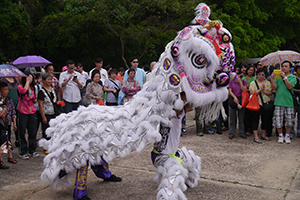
x: 251, y: 61
x: 279, y: 57
x: 30, y: 61
x: 9, y: 71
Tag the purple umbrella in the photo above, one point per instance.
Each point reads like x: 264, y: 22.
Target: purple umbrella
x: 9, y: 71
x: 30, y: 61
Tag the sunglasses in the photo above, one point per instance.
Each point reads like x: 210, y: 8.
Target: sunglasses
x: 135, y: 61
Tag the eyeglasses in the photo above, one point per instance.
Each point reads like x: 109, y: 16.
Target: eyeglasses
x: 135, y: 61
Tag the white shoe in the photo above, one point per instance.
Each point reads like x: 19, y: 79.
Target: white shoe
x: 287, y: 139
x: 280, y: 139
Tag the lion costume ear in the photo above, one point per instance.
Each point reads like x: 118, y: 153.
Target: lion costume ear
x: 202, y: 13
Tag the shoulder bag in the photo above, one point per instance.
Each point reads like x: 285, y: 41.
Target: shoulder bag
x: 55, y: 107
x: 118, y: 89
x: 266, y: 106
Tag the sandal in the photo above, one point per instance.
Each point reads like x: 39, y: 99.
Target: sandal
x: 257, y: 140
x: 12, y: 160
x: 266, y: 138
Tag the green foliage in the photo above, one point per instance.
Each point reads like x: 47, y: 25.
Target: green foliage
x: 119, y: 29
x: 260, y: 27
x: 14, y: 25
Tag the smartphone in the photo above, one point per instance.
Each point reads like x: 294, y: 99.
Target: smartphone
x: 74, y: 77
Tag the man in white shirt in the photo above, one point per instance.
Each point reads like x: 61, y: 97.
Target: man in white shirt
x: 85, y: 76
x: 103, y: 72
x: 139, y: 73
x: 71, y: 82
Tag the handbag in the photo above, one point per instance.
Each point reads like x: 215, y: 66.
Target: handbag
x: 245, y: 98
x: 295, y: 99
x: 266, y: 106
x: 100, y: 102
x: 87, y: 101
x: 253, y: 103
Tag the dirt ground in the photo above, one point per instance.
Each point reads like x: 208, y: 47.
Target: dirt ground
x: 231, y: 169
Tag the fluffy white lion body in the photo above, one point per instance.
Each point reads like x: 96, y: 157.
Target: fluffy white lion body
x: 95, y: 131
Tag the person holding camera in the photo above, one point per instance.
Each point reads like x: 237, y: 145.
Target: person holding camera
x: 284, y: 103
x: 235, y: 88
x: 112, y: 86
x: 71, y: 82
x: 27, y: 118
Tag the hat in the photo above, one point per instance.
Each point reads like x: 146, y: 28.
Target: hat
x: 64, y: 68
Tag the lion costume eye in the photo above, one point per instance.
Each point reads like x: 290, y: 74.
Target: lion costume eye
x: 199, y: 61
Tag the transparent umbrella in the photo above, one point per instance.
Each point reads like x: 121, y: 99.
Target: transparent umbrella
x: 279, y: 57
x: 9, y: 71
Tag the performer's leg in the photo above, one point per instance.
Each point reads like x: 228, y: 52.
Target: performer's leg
x: 192, y: 163
x: 80, y: 183
x: 172, y: 177
x: 102, y: 171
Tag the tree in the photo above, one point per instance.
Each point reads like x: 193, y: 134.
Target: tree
x: 259, y: 27
x: 117, y: 30
x: 14, y: 28
x: 124, y: 28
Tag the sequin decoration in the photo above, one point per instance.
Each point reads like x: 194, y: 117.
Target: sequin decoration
x: 167, y: 64
x: 174, y: 80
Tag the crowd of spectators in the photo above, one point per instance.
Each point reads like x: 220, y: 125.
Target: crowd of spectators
x: 27, y: 102
x: 283, y: 91
x: 33, y: 100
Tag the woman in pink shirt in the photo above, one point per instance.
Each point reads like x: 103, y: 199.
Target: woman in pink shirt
x: 27, y: 119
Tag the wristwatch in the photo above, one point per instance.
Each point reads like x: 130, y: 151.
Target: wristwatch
x: 285, y: 78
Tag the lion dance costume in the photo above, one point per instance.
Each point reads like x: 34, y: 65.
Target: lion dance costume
x: 199, y: 61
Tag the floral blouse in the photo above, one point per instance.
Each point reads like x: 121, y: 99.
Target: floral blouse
x: 10, y: 109
x: 266, y: 98
x: 94, y: 89
x: 130, y: 88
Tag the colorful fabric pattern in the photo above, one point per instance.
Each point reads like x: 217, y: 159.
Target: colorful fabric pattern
x: 254, y: 88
